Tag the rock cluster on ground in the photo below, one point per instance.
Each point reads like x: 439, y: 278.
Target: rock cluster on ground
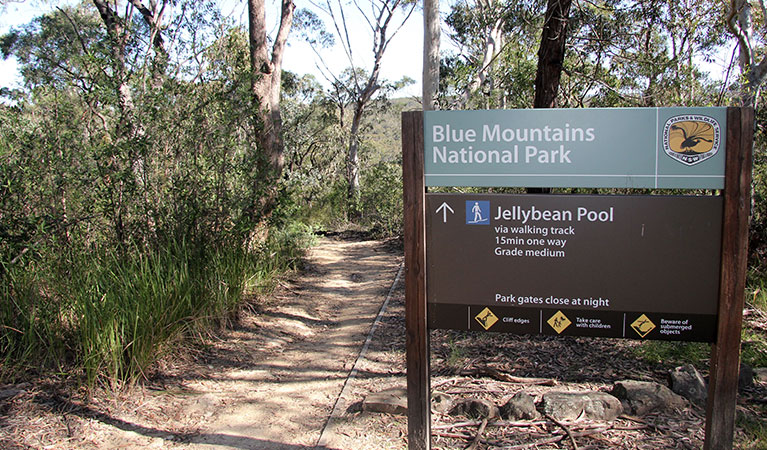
x: 594, y: 405
x: 629, y: 397
x: 636, y: 398
x: 689, y: 383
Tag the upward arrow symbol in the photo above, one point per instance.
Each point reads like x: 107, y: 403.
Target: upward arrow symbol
x: 444, y: 207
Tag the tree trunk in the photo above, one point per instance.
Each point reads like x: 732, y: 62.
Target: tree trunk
x: 353, y: 159
x: 551, y: 54
x: 740, y: 23
x: 118, y: 37
x: 492, y: 42
x: 153, y: 18
x: 126, y: 128
x: 266, y: 76
x: 430, y: 54
x: 551, y: 57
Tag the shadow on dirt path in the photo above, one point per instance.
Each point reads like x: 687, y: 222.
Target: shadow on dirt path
x: 270, y: 383
x: 284, y: 400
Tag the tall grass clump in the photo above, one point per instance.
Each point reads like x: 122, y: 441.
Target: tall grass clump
x: 129, y: 309
x: 110, y: 315
x: 32, y: 322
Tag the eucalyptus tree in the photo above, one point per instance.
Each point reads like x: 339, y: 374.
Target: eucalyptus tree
x: 494, y: 38
x: 359, y: 82
x: 266, y: 73
x: 120, y: 37
x: 129, y: 154
x: 490, y: 17
x: 150, y: 101
x: 641, y: 52
x: 658, y: 51
x: 750, y: 31
x: 431, y: 39
x: 747, y: 22
x: 65, y: 62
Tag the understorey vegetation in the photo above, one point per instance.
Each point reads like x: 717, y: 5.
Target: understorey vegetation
x: 151, y: 180
x: 136, y: 209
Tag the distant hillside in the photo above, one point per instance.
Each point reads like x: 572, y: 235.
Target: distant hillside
x: 382, y: 138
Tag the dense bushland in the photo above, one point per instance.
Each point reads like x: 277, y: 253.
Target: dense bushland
x: 132, y: 200
x: 135, y: 207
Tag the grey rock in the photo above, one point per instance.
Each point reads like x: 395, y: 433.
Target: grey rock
x: 760, y: 373
x: 8, y: 393
x: 475, y: 408
x: 689, y: 383
x: 745, y: 377
x: 571, y: 405
x: 642, y: 397
x: 520, y: 407
x: 389, y: 401
x: 441, y: 402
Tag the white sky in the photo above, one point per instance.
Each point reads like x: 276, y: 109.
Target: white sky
x: 15, y: 14
x: 402, y: 58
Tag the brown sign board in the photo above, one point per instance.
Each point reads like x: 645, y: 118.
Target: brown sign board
x: 650, y: 271
x: 643, y: 267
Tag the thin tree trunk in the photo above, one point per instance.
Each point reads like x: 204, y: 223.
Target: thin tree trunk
x: 551, y: 55
x: 493, y: 41
x: 430, y: 54
x: 126, y: 127
x: 362, y: 91
x: 266, y: 75
x: 353, y: 160
x: 740, y: 23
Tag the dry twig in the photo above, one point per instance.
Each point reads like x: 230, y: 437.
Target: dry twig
x: 567, y: 430
x: 496, y: 374
x: 481, y: 430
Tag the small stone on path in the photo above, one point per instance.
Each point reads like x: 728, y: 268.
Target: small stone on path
x: 572, y: 405
x: 643, y: 397
x: 389, y: 401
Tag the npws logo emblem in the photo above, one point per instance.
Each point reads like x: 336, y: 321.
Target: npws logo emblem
x: 691, y: 139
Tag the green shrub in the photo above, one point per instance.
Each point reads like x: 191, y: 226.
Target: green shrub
x: 381, y: 199
x: 113, y: 314
x: 673, y: 352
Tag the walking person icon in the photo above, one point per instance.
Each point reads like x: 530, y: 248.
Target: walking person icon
x: 477, y: 212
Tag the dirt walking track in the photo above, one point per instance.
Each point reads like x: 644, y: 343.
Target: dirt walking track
x: 290, y: 376
x: 285, y: 400
x: 273, y: 381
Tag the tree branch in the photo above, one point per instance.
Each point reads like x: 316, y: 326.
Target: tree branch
x: 743, y: 40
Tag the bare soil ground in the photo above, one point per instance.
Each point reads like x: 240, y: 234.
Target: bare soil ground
x: 281, y: 379
x: 268, y: 383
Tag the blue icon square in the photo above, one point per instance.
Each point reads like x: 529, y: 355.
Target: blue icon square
x: 477, y: 212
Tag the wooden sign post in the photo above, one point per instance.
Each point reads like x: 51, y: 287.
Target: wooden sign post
x: 472, y: 148
x: 725, y: 353
x: 417, y: 339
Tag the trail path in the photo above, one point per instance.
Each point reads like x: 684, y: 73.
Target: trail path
x: 273, y: 382
x: 284, y: 401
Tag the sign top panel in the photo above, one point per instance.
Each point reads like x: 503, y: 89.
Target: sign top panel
x: 673, y: 148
